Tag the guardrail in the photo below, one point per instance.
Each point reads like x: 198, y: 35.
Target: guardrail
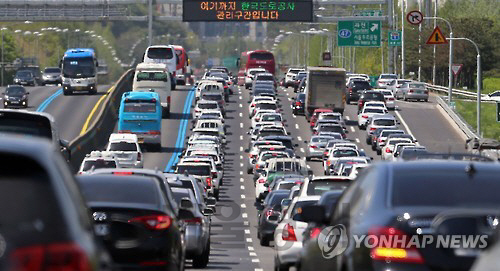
x: 461, y: 123
x: 98, y: 132
x: 459, y: 92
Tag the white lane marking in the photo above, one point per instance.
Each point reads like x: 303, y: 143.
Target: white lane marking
x: 241, y: 124
x: 285, y: 89
x: 309, y: 167
x: 241, y: 97
x: 287, y: 94
x: 255, y: 261
x: 259, y: 269
x: 357, y: 140
x: 352, y: 129
x: 241, y: 164
x: 294, y: 116
x: 241, y: 148
x: 244, y: 215
x: 241, y: 172
x: 241, y: 137
x: 296, y: 126
x: 290, y: 99
x: 241, y: 157
x: 241, y: 105
x: 347, y: 118
x: 242, y: 187
x: 243, y: 205
x: 241, y: 115
x: 246, y: 223
x: 242, y: 196
x: 249, y: 240
x: 242, y: 180
x: 247, y: 231
x: 250, y: 248
x: 252, y: 254
x: 299, y: 138
x: 405, y: 125
x: 302, y: 149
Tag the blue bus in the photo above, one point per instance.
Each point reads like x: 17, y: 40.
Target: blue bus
x: 79, y: 70
x: 141, y: 114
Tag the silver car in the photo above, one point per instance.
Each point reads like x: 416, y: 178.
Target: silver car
x: 197, y: 232
x: 379, y: 121
x: 412, y: 91
x: 316, y: 147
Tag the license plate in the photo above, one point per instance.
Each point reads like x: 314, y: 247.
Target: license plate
x: 141, y: 140
x: 466, y: 252
x: 13, y: 102
x: 101, y: 229
x: 78, y: 88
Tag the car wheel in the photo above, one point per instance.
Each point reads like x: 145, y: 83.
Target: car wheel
x: 426, y: 100
x: 216, y: 194
x: 404, y: 98
x: 368, y: 140
x: 374, y: 147
x: 67, y: 92
x: 308, y: 158
x: 264, y: 241
x: 202, y: 260
x: 379, y: 152
x: 280, y: 267
x: 249, y: 170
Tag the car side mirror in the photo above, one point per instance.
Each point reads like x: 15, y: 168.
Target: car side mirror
x: 210, y: 201
x: 186, y: 203
x: 273, y: 218
x: 208, y: 212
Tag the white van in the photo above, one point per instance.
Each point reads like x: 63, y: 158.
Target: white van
x: 163, y: 54
x: 154, y: 76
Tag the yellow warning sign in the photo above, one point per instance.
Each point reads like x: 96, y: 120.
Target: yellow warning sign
x: 437, y: 37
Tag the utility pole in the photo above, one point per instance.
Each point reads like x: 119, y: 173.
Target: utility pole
x: 150, y: 22
x: 434, y: 49
x: 402, y: 39
x: 390, y: 54
x: 419, y: 44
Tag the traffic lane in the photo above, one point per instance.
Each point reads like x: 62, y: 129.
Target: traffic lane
x: 71, y: 112
x: 169, y: 131
x: 38, y: 94
x: 430, y: 127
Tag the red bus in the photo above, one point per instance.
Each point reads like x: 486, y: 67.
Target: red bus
x: 255, y: 59
x: 182, y: 65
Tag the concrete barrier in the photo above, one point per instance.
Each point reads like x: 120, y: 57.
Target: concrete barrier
x: 103, y: 125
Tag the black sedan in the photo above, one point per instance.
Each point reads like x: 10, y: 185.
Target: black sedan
x: 15, y: 96
x: 298, y: 104
x: 134, y: 220
x: 268, y: 214
x: 24, y: 78
x: 420, y: 215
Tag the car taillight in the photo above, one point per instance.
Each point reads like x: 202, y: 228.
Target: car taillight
x: 139, y: 156
x: 411, y: 90
x: 394, y: 251
x: 153, y: 263
x: 196, y: 220
x: 364, y: 116
x: 391, y: 99
x: 314, y: 232
x: 124, y: 131
x: 325, y: 153
x: 257, y: 119
x: 251, y: 155
x: 298, y: 103
x: 62, y: 256
x: 257, y: 166
x: 123, y: 173
x: 262, y: 180
x: 314, y: 147
x: 214, y: 174
x: 153, y: 222
x: 350, y: 90
x: 387, y: 150
x: 380, y: 140
x: 154, y: 132
x: 252, y: 105
x: 372, y: 128
x: 208, y: 180
x: 328, y: 162
x: 288, y: 233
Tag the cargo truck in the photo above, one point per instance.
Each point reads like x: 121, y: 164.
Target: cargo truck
x: 325, y: 88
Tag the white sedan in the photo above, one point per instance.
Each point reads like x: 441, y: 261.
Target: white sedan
x: 367, y: 113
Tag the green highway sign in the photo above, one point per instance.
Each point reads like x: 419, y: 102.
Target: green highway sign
x: 394, y: 38
x: 359, y: 33
x: 367, y: 12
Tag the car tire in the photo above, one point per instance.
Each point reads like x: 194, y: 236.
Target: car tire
x: 308, y: 158
x: 202, y: 260
x: 404, y: 98
x: 426, y: 100
x: 367, y: 140
x: 67, y: 92
x: 216, y: 194
x: 374, y: 147
x: 264, y: 241
x: 249, y: 170
x: 379, y: 151
x: 280, y: 267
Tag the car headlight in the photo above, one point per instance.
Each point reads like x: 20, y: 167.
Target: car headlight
x: 24, y: 97
x: 6, y: 97
x: 66, y: 80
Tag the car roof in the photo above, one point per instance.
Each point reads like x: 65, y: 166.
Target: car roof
x: 123, y: 137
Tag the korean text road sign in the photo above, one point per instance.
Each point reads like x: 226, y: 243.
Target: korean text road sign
x: 437, y: 37
x: 415, y: 17
x: 359, y: 33
x: 366, y: 12
x: 394, y: 38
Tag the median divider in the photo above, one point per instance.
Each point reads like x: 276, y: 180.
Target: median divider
x: 96, y: 135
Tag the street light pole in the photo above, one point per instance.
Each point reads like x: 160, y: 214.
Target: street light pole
x: 3, y: 64
x: 478, y: 83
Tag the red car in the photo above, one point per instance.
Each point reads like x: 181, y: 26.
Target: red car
x: 316, y: 113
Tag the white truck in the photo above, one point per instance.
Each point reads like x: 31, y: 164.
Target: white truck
x: 154, y: 76
x: 325, y: 88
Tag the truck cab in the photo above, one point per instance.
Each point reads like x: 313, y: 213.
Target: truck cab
x: 154, y: 76
x: 140, y: 114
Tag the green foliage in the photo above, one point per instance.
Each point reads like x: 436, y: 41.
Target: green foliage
x: 490, y: 128
x: 491, y: 85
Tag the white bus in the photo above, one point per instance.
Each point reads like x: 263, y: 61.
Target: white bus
x: 163, y: 54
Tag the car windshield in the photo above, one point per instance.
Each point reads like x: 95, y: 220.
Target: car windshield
x: 199, y: 170
x: 122, y: 146
x: 24, y: 74
x: 15, y: 91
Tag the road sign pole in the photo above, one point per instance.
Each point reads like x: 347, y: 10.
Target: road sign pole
x: 402, y: 39
x: 450, y: 63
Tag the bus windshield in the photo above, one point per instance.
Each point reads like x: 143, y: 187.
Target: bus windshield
x: 79, y: 67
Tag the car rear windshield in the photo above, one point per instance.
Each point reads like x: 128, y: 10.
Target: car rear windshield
x: 52, y: 70
x: 374, y: 96
x: 276, y: 198
x: 268, y: 156
x: 388, y: 76
x: 321, y: 139
x: 140, y: 107
x: 384, y: 122
x: 117, y: 191
x: 344, y: 153
x: 152, y: 76
x: 212, y: 97
x: 160, y: 53
x: 271, y: 132
x: 374, y: 110
x: 387, y: 133
x: 301, y: 97
x: 416, y: 86
x: 25, y: 125
x: 317, y: 188
x: 261, y: 56
x: 297, y: 209
x: 266, y: 106
x: 179, y: 195
x: 100, y: 163
x: 274, y: 117
x: 411, y: 154
x: 265, y: 77
x: 445, y: 188
x: 361, y: 85
x: 287, y: 166
x: 28, y: 203
x: 200, y: 170
x: 207, y: 106
x: 331, y: 128
x: 286, y: 185
x: 122, y: 146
